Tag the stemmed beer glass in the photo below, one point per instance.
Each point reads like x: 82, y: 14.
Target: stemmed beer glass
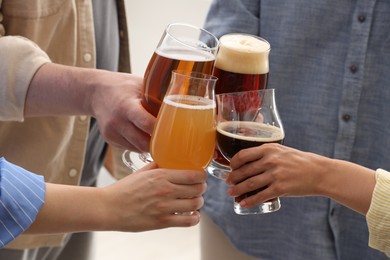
x: 181, y: 47
x: 184, y: 134
x: 241, y: 65
x: 248, y: 119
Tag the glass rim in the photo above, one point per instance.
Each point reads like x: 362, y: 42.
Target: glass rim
x: 195, y: 75
x: 197, y: 28
x: 247, y: 34
x: 236, y: 93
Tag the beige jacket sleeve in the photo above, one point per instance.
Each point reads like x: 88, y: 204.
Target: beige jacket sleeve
x: 114, y: 163
x: 378, y: 216
x: 19, y: 60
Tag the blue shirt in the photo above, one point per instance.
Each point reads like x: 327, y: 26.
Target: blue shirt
x: 330, y: 66
x: 22, y: 194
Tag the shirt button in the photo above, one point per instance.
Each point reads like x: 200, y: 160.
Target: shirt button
x: 73, y: 173
x: 346, y: 117
x: 353, y: 68
x: 87, y: 57
x: 83, y: 118
x: 361, y: 18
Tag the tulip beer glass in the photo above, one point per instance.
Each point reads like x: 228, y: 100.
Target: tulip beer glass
x: 241, y: 65
x: 181, y: 47
x: 184, y: 134
x: 248, y: 119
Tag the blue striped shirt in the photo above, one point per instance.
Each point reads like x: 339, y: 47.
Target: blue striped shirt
x: 22, y: 194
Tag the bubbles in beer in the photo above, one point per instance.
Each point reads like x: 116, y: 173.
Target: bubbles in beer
x: 251, y: 131
x: 189, y: 102
x: 233, y: 136
x: 185, y: 54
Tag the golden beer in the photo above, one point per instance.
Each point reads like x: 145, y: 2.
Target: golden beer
x: 182, y: 47
x: 184, y: 135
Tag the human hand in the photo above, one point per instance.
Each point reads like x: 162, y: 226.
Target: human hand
x: 280, y: 170
x: 149, y: 198
x: 113, y: 98
x: 122, y: 120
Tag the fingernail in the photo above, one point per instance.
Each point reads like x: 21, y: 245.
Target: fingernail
x: 228, y: 180
x: 243, y: 204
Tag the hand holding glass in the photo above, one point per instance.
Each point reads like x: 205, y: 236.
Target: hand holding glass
x: 248, y: 119
x: 181, y: 47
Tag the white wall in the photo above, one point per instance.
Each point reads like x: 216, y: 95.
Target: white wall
x: 148, y: 18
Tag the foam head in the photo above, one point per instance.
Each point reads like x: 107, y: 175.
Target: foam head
x: 243, y: 53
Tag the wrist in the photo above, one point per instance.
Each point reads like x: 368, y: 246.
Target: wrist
x: 318, y: 171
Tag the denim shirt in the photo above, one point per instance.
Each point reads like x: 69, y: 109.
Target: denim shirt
x: 330, y: 66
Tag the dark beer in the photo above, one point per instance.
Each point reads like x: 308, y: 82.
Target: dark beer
x: 158, y: 73
x: 241, y: 65
x: 237, y: 82
x: 234, y: 136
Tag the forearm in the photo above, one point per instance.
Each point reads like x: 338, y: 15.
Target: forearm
x: 60, y: 90
x: 144, y: 200
x: 71, y: 209
x: 290, y: 172
x: 350, y: 184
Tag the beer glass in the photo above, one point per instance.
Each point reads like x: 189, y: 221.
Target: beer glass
x: 184, y: 134
x: 181, y: 47
x: 241, y: 65
x: 248, y: 119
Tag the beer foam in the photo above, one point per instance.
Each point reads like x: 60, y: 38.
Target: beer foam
x: 266, y: 133
x: 185, y: 54
x: 245, y: 54
x: 189, y: 102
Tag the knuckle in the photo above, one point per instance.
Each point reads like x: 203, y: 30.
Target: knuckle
x: 162, y: 207
x: 251, y: 183
x: 276, y: 189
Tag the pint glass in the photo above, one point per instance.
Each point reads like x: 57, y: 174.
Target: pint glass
x: 241, y: 65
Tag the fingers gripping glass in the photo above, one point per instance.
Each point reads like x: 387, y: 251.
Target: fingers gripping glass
x: 248, y: 119
x: 184, y: 133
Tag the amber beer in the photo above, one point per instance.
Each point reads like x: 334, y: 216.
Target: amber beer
x: 186, y: 140
x: 158, y: 73
x: 241, y: 65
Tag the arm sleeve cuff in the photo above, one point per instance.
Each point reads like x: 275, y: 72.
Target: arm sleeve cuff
x: 22, y: 195
x: 378, y: 216
x: 20, y: 59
